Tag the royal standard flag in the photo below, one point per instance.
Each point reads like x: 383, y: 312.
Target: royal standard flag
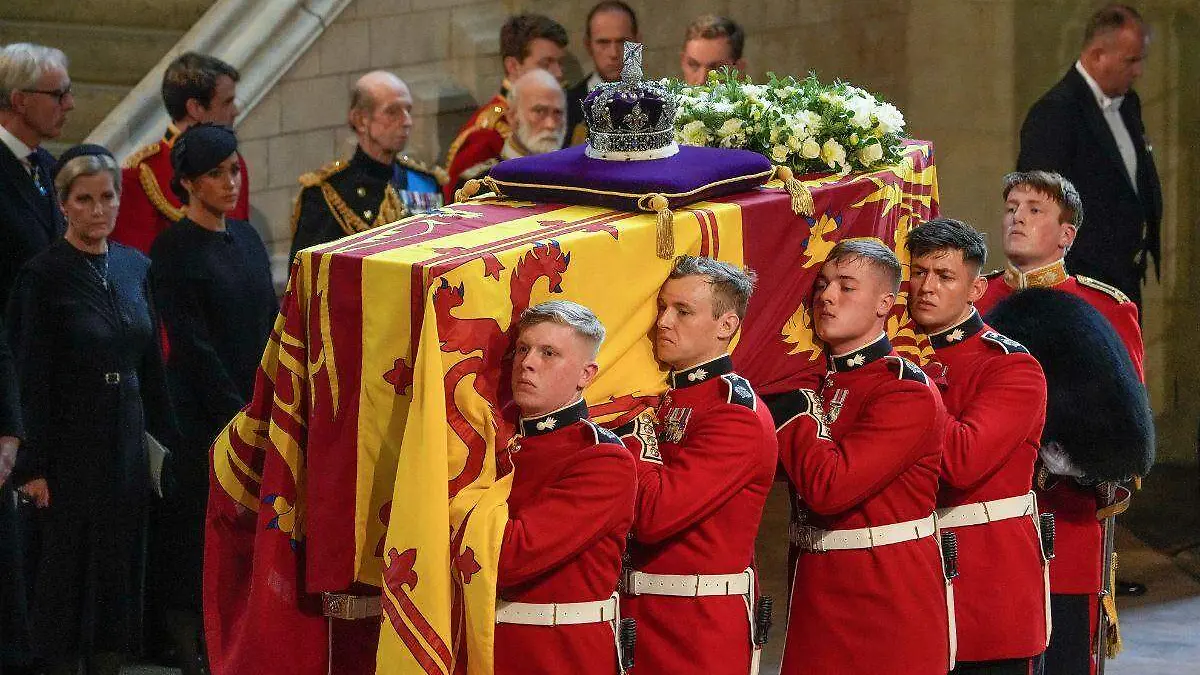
x: 370, y: 460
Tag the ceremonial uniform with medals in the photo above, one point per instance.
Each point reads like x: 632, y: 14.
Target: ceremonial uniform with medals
x: 345, y: 198
x: 148, y: 206
x: 864, y: 452
x: 702, y: 484
x: 570, y: 511
x: 995, y: 394
x: 479, y: 140
x: 1078, y: 550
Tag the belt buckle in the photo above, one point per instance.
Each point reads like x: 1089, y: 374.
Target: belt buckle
x: 806, y: 538
x: 627, y: 581
x: 112, y: 378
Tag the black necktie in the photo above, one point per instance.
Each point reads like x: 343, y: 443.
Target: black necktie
x: 35, y: 170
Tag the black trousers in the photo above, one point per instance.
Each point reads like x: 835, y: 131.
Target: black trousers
x: 1031, y: 666
x: 1074, y: 619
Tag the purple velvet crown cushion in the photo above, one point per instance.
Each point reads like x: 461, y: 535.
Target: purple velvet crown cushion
x: 571, y: 177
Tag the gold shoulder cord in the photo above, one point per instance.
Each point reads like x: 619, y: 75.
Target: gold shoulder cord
x: 154, y: 192
x: 390, y: 210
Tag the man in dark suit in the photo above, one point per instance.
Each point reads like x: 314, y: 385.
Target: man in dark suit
x: 1088, y: 128
x: 610, y: 24
x: 35, y: 97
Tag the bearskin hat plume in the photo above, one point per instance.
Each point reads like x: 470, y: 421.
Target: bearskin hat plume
x: 1097, y: 409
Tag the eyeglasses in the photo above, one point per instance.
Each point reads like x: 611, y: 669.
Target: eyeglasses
x: 58, y: 94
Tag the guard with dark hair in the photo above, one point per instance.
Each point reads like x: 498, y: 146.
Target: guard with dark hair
x: 610, y: 24
x: 1043, y: 213
x: 196, y: 89
x: 862, y: 448
x: 703, y: 480
x: 527, y: 41
x: 995, y: 395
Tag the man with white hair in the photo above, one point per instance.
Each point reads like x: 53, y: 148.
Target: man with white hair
x: 35, y: 97
x: 537, y: 116
x: 379, y: 184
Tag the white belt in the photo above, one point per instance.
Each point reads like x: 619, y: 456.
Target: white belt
x: 558, y: 613
x: 980, y: 513
x: 810, y: 539
x: 689, y: 585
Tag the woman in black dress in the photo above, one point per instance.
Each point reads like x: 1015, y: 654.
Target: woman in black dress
x: 91, y: 380
x: 212, y: 285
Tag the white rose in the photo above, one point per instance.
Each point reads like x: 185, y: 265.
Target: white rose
x: 694, y: 133
x: 870, y: 154
x: 779, y: 154
x: 890, y: 118
x: 833, y: 154
x: 861, y: 109
x: 809, y: 149
x: 795, y: 142
x: 722, y: 107
x: 731, y: 126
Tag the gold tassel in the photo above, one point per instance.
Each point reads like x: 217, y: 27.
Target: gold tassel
x: 1109, y: 607
x: 802, y: 200
x: 468, y: 190
x: 665, y: 232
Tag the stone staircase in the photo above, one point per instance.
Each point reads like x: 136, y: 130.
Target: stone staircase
x: 111, y: 45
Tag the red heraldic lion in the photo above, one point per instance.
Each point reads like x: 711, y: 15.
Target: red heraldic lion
x: 869, y: 593
x: 148, y: 206
x: 570, y: 511
x: 702, y: 485
x: 995, y: 394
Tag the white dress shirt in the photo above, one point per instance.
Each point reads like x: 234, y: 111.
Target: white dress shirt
x: 1111, y: 109
x: 18, y: 148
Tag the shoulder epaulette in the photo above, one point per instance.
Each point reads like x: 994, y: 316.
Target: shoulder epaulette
x: 907, y: 370
x: 603, y: 435
x: 740, y: 391
x: 1096, y: 285
x: 1004, y: 343
x: 313, y: 178
x: 439, y: 174
x: 490, y: 118
x: 142, y: 154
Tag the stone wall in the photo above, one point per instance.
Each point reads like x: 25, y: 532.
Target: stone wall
x: 963, y: 71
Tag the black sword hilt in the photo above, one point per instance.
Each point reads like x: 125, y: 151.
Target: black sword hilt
x: 950, y: 553
x: 763, y: 614
x: 1046, y: 525
x: 627, y: 636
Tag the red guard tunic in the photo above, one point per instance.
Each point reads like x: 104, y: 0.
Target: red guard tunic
x: 866, y: 454
x: 570, y: 511
x: 1077, y: 551
x: 702, y: 485
x: 995, y: 394
x: 148, y: 206
x: 480, y: 139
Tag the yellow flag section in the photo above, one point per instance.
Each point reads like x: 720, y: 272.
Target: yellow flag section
x: 447, y: 512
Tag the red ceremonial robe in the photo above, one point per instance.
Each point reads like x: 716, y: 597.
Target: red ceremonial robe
x: 995, y: 394
x: 702, y: 485
x: 570, y: 511
x: 148, y: 205
x: 480, y: 139
x: 869, y: 455
x: 1075, y: 569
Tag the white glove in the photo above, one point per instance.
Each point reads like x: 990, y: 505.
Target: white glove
x: 1056, y: 461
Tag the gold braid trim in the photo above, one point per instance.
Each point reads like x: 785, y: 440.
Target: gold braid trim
x: 1108, y: 602
x: 391, y: 209
x: 142, y: 154
x: 154, y: 192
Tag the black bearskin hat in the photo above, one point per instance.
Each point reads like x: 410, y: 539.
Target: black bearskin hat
x: 1097, y: 409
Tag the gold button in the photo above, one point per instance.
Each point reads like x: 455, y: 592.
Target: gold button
x: 361, y: 191
x: 368, y: 214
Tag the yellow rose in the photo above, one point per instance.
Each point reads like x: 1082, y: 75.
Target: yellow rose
x: 810, y: 149
x: 833, y: 154
x: 694, y: 133
x: 779, y: 154
x: 869, y: 154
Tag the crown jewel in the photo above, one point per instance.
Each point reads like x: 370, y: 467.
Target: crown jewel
x: 631, y: 119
